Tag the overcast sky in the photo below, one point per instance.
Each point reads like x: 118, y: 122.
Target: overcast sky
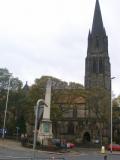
x: 49, y: 37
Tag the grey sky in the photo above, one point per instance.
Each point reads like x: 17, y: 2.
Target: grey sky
x: 49, y: 37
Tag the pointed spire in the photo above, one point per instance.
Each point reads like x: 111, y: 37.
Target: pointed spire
x: 26, y: 87
x: 97, y: 27
x: 89, y: 34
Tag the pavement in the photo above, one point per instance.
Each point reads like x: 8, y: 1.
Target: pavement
x: 11, y: 144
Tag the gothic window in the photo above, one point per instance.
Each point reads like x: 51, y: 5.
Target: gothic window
x: 68, y: 112
x: 97, y: 42
x: 94, y: 66
x: 71, y: 128
x: 105, y: 40
x: 101, y: 66
x: 63, y: 128
x: 81, y: 110
x: 74, y: 112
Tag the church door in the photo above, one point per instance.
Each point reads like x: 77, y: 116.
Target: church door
x: 86, y: 137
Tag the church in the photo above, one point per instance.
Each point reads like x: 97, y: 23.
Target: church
x: 88, y: 120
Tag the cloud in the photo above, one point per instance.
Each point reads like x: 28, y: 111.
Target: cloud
x: 49, y: 37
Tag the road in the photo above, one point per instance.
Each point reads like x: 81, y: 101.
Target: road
x: 7, y: 152
x: 12, y: 150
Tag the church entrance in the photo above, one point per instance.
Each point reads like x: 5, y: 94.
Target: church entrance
x: 86, y: 137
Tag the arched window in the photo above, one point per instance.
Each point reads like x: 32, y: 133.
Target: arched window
x: 71, y: 128
x: 101, y: 66
x: 97, y: 42
x: 94, y: 66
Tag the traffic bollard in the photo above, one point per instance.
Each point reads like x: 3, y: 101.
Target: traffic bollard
x: 105, y: 157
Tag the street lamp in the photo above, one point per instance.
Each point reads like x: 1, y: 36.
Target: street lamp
x: 17, y: 132
x: 111, y: 117
x: 4, y: 123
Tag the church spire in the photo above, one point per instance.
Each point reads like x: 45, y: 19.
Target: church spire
x: 97, y: 26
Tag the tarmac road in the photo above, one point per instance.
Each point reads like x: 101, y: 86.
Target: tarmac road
x: 14, y: 149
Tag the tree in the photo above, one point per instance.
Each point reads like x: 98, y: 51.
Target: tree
x: 116, y: 106
x: 116, y: 119
x: 15, y: 83
x: 59, y: 88
x: 15, y: 100
x: 99, y: 108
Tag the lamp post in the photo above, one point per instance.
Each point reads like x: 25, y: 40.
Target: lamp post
x: 17, y: 132
x: 111, y: 127
x: 6, y: 105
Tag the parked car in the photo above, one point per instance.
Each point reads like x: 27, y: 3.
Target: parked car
x: 62, y: 143
x: 70, y: 145
x: 115, y: 147
x: 56, y: 142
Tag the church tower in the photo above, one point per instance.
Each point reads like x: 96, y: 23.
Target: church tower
x: 97, y: 65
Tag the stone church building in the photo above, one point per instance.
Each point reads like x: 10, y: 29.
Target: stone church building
x: 79, y: 124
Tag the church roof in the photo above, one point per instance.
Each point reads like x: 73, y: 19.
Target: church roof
x: 97, y: 26
x: 70, y: 99
x: 26, y: 87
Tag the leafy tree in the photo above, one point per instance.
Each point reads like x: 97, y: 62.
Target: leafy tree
x: 99, y: 107
x: 116, y: 119
x: 16, y: 99
x: 21, y: 105
x: 15, y: 111
x: 116, y: 106
x: 15, y: 83
x: 59, y: 88
x: 74, y: 85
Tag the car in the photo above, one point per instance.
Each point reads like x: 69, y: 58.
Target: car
x: 115, y: 147
x: 70, y: 145
x: 56, y: 142
x: 62, y: 143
